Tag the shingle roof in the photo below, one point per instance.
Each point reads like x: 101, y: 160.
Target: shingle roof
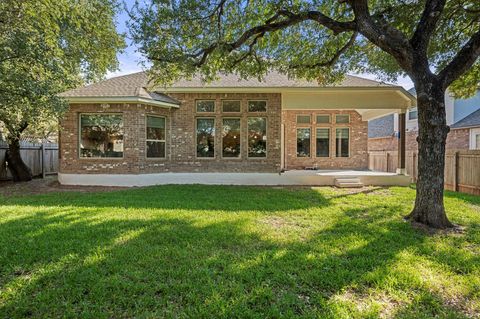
x: 136, y: 85
x: 272, y: 80
x: 131, y: 85
x: 472, y: 120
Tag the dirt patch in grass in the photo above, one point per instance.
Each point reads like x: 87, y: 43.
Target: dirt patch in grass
x: 47, y: 185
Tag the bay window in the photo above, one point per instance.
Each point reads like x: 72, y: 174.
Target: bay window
x: 155, y: 137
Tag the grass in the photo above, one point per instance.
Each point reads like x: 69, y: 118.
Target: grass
x: 235, y: 252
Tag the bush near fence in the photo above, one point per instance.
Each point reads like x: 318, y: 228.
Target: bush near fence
x: 41, y: 158
x: 462, y: 167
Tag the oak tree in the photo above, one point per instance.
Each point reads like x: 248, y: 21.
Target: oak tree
x: 47, y: 47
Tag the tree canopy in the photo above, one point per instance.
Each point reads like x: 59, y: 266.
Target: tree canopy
x: 47, y: 47
x: 317, y: 39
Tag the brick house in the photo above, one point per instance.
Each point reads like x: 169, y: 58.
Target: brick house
x: 123, y: 129
x: 463, y: 117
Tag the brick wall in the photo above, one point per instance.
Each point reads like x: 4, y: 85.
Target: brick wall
x: 180, y: 138
x: 456, y: 140
x: 358, y: 158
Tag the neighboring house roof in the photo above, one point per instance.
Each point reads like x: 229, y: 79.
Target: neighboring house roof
x: 472, y: 120
x: 381, y: 127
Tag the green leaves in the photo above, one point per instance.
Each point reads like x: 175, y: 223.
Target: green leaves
x: 183, y: 37
x: 47, y: 47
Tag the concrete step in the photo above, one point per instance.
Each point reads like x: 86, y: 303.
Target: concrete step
x: 348, y: 182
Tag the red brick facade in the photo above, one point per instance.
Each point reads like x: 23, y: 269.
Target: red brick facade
x: 180, y: 138
x: 358, y: 158
x: 457, y: 139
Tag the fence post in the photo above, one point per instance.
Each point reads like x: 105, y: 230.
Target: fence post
x: 42, y: 152
x: 455, y: 171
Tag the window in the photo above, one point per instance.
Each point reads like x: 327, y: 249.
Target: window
x: 323, y: 142
x: 206, y: 106
x: 342, y: 118
x: 230, y: 106
x: 101, y: 135
x: 303, y: 119
x: 155, y: 137
x: 231, y: 138
x: 205, y: 137
x: 257, y: 106
x: 341, y: 142
x: 413, y: 114
x: 323, y: 119
x: 477, y: 141
x: 257, y: 137
x: 303, y: 142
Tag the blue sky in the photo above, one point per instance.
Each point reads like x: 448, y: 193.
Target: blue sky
x: 130, y: 58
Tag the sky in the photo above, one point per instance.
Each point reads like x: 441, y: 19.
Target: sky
x: 129, y: 60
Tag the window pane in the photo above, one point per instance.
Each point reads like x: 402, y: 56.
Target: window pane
x: 342, y: 118
x: 323, y: 142
x: 230, y: 106
x: 477, y: 141
x: 155, y: 149
x: 231, y: 138
x: 205, y: 137
x: 101, y: 135
x: 323, y: 118
x: 206, y: 106
x: 257, y: 137
x: 155, y: 128
x: 413, y: 114
x: 303, y: 142
x: 303, y: 119
x: 341, y: 142
x: 257, y: 106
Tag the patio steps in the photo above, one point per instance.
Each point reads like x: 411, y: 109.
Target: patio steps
x: 351, y: 182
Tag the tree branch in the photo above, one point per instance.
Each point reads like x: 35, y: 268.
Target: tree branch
x: 334, y: 59
x: 275, y: 23
x: 463, y: 61
x: 383, y: 35
x: 427, y: 24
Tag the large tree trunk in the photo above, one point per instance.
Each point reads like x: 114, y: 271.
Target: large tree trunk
x: 432, y: 134
x: 19, y: 170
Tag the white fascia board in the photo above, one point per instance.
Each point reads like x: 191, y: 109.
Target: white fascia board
x: 120, y: 99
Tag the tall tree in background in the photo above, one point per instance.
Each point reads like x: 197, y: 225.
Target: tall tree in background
x: 47, y: 47
x: 435, y: 42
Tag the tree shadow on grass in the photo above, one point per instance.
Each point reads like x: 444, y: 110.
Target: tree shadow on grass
x: 67, y: 262
x: 70, y: 265
x: 198, y: 197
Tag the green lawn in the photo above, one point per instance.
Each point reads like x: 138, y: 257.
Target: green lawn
x: 235, y: 252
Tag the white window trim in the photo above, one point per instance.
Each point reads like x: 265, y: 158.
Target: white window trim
x: 349, y: 141
x: 254, y: 112
x: 310, y: 142
x: 304, y: 115
x: 214, y: 137
x: 239, y: 137
x: 348, y: 115
x: 473, y: 138
x: 266, y: 134
x: 329, y: 141
x: 79, y: 148
x: 322, y: 123
x: 151, y: 140
x: 205, y: 100
x: 230, y: 112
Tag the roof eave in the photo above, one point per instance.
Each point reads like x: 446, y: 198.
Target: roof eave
x: 119, y: 99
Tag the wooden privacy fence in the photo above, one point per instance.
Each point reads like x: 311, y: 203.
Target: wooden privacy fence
x: 462, y: 167
x: 41, y: 158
